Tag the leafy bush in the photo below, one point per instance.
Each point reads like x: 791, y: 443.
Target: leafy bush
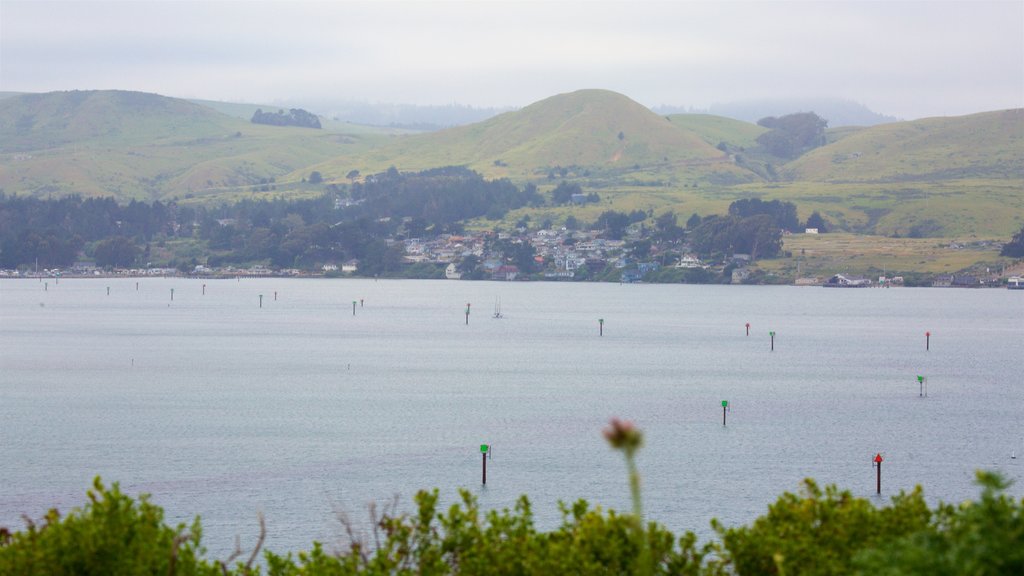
x: 819, y: 532
x: 111, y: 535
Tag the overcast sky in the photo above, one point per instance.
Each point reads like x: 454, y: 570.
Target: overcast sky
x: 907, y: 59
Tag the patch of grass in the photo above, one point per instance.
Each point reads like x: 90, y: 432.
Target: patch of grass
x: 825, y: 254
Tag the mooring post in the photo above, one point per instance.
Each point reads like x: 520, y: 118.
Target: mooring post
x: 275, y: 295
x: 108, y: 290
x: 172, y: 294
x: 600, y: 326
x: 927, y: 341
x: 725, y: 406
x: 261, y: 300
x: 878, y: 473
x: 136, y: 286
x: 467, y: 313
x: 921, y: 383
x: 204, y: 289
x: 353, y: 307
x: 772, y: 334
x: 483, y: 452
x: 748, y: 328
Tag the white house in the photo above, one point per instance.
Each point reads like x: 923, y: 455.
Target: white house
x: 689, y: 261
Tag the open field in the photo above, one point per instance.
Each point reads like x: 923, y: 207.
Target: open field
x: 822, y: 255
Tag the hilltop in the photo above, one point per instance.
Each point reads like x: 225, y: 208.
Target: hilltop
x: 596, y: 133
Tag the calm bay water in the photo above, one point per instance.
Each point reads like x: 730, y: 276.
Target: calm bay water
x: 300, y: 409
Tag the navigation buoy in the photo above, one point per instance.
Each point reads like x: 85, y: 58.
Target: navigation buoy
x: 922, y: 384
x: 878, y: 470
x: 484, y: 448
x: 927, y: 341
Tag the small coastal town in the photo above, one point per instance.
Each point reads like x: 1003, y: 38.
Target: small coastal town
x: 543, y: 255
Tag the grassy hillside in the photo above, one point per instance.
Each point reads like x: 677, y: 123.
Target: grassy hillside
x: 245, y: 111
x: 940, y: 177
x: 145, y: 146
x: 987, y: 145
x: 603, y: 134
x: 717, y: 129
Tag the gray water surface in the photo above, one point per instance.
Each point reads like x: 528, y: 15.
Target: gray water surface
x: 298, y: 410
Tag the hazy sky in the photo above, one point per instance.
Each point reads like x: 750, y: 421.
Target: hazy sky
x: 907, y: 59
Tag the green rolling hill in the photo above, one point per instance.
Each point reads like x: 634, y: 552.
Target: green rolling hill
x: 986, y: 145
x: 132, y: 145
x: 602, y: 134
x: 934, y: 177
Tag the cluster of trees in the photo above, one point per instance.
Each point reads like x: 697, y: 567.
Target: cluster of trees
x: 758, y: 235
x: 294, y: 117
x: 440, y: 197
x: 564, y: 192
x: 613, y: 224
x: 751, y: 226
x: 783, y: 214
x: 792, y: 135
x: 816, y: 532
x: 296, y: 233
x: 1015, y: 247
x: 53, y: 232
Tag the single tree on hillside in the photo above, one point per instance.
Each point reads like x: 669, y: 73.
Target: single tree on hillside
x: 792, y: 135
x: 815, y: 220
x: 1015, y: 247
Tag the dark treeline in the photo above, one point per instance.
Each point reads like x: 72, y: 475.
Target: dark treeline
x: 440, y: 196
x: 294, y: 117
x: 286, y: 233
x: 52, y: 232
x: 752, y: 226
x: 792, y: 135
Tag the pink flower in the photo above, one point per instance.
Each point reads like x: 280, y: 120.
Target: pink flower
x: 623, y: 435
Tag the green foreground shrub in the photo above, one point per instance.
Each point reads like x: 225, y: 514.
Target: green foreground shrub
x: 817, y: 532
